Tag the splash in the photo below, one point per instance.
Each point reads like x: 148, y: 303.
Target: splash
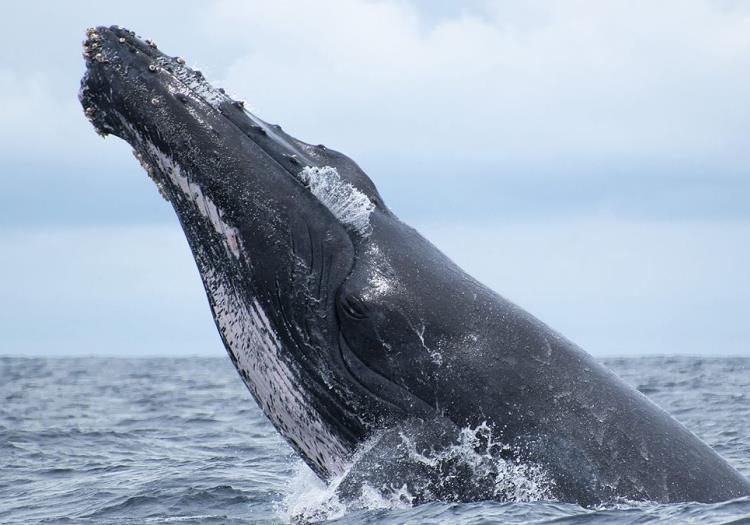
x: 347, y: 203
x: 308, y: 499
x: 491, y: 471
x: 471, y: 468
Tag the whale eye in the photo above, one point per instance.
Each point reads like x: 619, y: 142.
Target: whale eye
x: 352, y: 306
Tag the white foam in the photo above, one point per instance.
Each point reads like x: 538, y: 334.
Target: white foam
x: 308, y: 499
x: 478, y: 449
x: 349, y: 205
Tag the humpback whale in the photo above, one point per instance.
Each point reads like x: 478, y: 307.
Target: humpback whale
x: 349, y: 328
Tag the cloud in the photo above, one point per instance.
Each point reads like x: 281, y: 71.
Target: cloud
x: 102, y: 290
x: 37, y: 120
x: 584, y: 100
x: 588, y: 159
x: 530, y: 84
x: 524, y: 84
x: 40, y: 69
x: 616, y: 287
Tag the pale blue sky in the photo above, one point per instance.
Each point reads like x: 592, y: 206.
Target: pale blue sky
x: 589, y: 160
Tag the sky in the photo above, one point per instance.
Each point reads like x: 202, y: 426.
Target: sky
x: 588, y: 160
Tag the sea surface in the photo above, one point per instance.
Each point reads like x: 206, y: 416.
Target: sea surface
x: 108, y: 440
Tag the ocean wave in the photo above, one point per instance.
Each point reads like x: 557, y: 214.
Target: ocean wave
x: 76, y: 449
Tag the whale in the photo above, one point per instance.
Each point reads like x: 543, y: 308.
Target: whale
x: 366, y: 347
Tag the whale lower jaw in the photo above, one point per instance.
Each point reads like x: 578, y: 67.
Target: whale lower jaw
x: 256, y: 351
x: 251, y: 341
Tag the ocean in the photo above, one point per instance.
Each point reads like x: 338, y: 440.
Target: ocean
x: 179, y: 440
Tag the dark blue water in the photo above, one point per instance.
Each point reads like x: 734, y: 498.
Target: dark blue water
x: 99, y: 440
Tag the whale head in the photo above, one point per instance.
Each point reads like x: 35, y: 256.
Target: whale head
x: 274, y: 225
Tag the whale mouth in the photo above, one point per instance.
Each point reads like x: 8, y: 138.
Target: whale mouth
x: 275, y: 226
x: 272, y: 223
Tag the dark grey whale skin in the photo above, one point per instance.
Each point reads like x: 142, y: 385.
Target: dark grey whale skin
x: 383, y: 329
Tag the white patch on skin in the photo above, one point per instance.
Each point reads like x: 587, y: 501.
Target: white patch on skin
x: 349, y: 205
x: 193, y: 192
x: 197, y: 86
x: 381, y: 278
x: 435, y: 356
x: 200, y: 89
x: 250, y: 337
